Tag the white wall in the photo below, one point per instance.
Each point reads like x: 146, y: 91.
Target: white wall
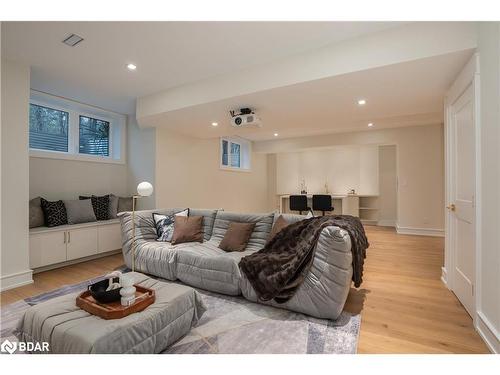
x: 141, y: 148
x: 420, y: 168
x: 15, y: 98
x: 55, y: 179
x: 387, y: 201
x: 342, y: 168
x: 188, y: 174
x: 489, y: 298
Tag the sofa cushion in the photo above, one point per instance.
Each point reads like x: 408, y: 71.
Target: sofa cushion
x: 237, y: 236
x: 187, y: 229
x: 100, y: 206
x: 205, y: 266
x: 263, y: 224
x: 165, y: 224
x: 54, y: 213
x: 79, y: 211
x: 125, y: 204
x: 36, y: 213
x: 278, y: 225
x: 113, y: 206
x: 208, y: 221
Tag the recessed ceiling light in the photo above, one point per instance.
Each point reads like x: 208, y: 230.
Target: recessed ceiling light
x: 275, y: 134
x: 215, y: 124
x: 370, y: 124
x: 361, y: 102
x: 131, y: 67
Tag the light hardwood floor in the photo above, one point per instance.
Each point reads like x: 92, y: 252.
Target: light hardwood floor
x: 404, y: 306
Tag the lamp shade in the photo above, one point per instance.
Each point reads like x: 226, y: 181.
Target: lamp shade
x: 144, y: 189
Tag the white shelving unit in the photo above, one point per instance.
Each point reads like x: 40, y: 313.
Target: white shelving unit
x: 368, y: 209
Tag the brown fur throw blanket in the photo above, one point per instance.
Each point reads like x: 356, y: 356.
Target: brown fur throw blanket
x: 279, y: 268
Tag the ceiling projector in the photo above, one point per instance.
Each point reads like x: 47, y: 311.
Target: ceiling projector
x: 246, y: 118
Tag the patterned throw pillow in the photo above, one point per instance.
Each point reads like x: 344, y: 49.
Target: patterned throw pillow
x: 165, y: 225
x: 54, y: 213
x: 100, y: 206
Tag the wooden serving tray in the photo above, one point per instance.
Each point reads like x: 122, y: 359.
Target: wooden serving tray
x: 115, y: 310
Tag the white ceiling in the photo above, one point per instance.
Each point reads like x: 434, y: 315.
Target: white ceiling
x: 167, y: 54
x: 404, y: 94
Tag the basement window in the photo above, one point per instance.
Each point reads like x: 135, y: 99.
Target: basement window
x: 48, y: 128
x: 64, y: 129
x: 94, y: 136
x: 235, y: 154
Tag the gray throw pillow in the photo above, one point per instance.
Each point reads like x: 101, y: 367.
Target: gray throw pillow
x: 79, y: 211
x: 113, y: 206
x: 124, y: 204
x: 36, y: 213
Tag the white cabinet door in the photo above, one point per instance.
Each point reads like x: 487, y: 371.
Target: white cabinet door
x: 47, y: 248
x: 109, y: 238
x: 81, y: 242
x: 350, y: 206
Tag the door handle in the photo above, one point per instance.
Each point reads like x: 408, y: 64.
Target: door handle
x: 451, y: 207
x: 64, y: 237
x: 69, y: 236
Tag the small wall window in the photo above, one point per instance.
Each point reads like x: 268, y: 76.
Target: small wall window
x: 94, y: 136
x: 63, y: 129
x: 48, y: 128
x: 235, y: 153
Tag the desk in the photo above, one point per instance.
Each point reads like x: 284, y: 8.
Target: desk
x: 343, y: 204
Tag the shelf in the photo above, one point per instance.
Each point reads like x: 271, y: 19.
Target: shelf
x: 368, y: 208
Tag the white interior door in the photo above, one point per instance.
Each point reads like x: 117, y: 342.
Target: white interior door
x: 462, y: 193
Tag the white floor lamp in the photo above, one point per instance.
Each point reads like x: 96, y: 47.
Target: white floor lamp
x: 144, y: 189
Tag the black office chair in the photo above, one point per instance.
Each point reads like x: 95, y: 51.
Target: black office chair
x: 298, y: 203
x: 322, y: 203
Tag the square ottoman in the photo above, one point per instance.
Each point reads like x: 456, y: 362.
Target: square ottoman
x: 69, y: 329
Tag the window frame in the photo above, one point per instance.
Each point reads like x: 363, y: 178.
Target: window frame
x: 110, y: 142
x: 117, y: 130
x: 53, y: 109
x: 245, y: 154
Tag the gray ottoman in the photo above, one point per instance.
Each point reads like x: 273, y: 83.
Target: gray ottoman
x: 68, y: 329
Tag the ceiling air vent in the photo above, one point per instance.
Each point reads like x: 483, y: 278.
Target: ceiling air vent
x: 72, y: 40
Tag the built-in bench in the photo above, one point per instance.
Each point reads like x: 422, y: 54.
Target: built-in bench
x: 67, y: 244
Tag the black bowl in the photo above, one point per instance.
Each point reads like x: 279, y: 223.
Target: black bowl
x: 98, y: 291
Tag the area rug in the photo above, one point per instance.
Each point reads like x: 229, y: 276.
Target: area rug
x: 234, y: 325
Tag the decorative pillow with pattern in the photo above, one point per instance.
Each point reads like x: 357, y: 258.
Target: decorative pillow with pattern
x: 165, y: 224
x: 100, y: 206
x: 54, y: 213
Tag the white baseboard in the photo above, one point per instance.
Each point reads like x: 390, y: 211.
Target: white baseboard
x: 488, y: 333
x: 386, y: 223
x: 16, y: 280
x: 420, y: 231
x: 444, y: 277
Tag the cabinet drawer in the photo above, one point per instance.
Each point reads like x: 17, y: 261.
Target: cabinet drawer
x: 81, y: 243
x: 109, y: 238
x: 47, y: 248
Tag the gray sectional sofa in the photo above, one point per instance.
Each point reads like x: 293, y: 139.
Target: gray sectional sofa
x: 203, y: 265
